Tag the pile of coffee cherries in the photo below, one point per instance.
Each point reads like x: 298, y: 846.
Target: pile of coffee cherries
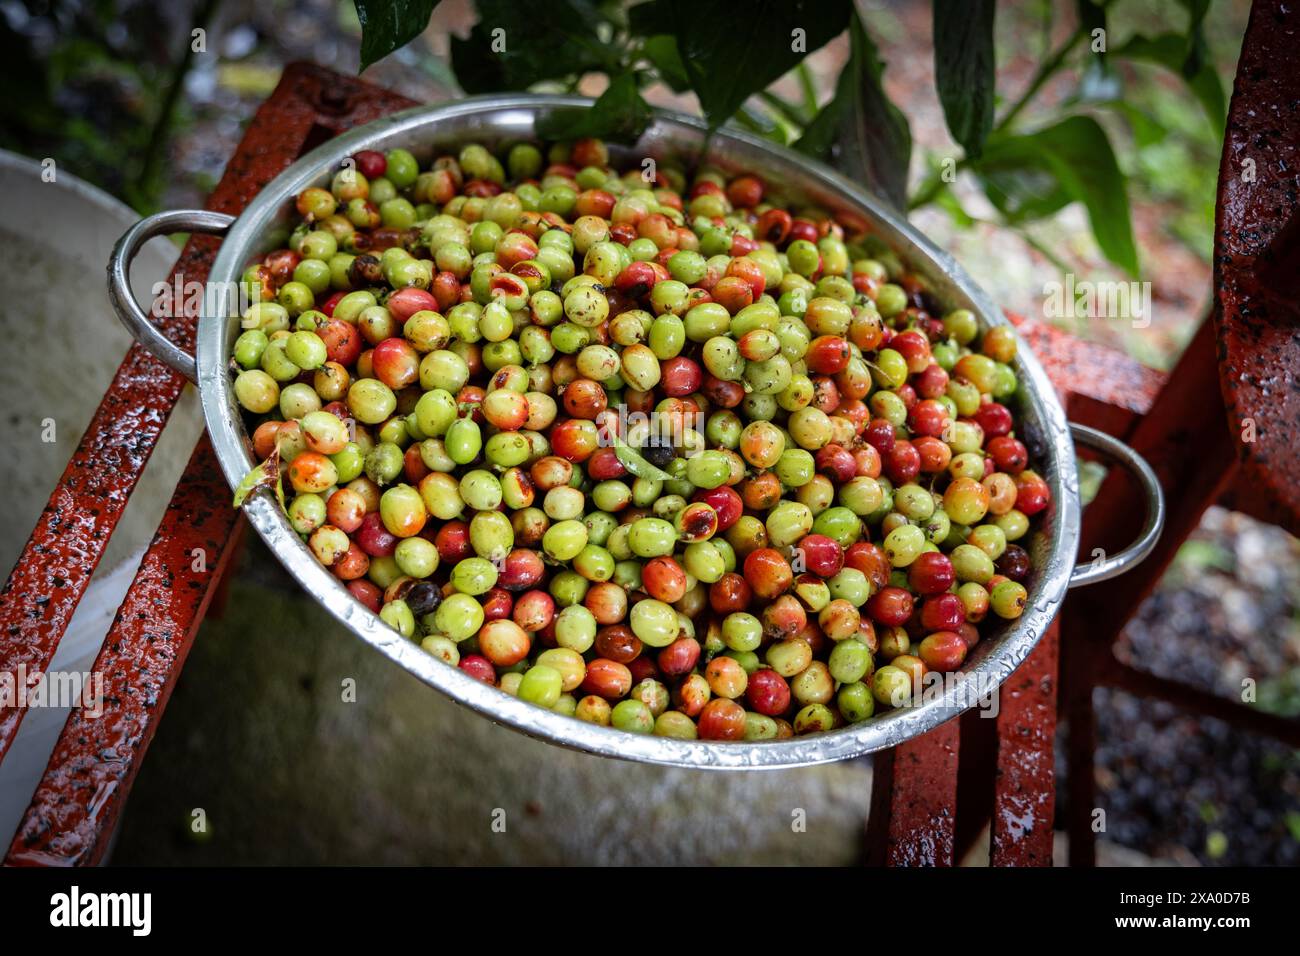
x: 657, y: 454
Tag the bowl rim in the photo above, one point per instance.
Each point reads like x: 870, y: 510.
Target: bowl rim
x: 1052, y: 444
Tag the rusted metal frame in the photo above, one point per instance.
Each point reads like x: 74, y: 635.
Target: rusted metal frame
x: 1184, y: 438
x: 1077, y: 665
x: 217, y: 606
x: 1024, y: 792
x: 1113, y: 386
x: 976, y: 762
x: 913, y: 801
x: 69, y: 539
x: 56, y: 565
x: 95, y: 761
x: 1257, y: 264
x: 1122, y: 676
x: 76, y: 805
x: 1005, y: 767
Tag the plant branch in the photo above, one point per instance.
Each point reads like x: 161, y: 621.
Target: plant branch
x: 788, y: 111
x: 1045, y: 252
x: 932, y: 186
x: 809, y: 87
x: 1045, y: 72
x: 159, y: 135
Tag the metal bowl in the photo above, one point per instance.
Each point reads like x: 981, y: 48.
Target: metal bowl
x: 500, y: 120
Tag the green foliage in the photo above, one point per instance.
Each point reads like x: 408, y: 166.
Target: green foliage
x: 104, y: 111
x: 1037, y: 173
x: 963, y: 69
x: 619, y: 113
x: 661, y: 50
x: 860, y: 130
x: 730, y: 55
x: 1175, y: 53
x: 517, y: 43
x: 387, y: 25
x: 1280, y: 695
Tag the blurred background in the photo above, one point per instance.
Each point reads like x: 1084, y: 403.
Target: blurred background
x: 125, y: 96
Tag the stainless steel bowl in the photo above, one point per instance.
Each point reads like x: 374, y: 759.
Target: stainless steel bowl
x: 499, y: 120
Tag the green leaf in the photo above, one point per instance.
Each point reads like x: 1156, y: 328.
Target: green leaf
x: 517, y: 43
x: 619, y: 114
x: 1170, y: 51
x: 1092, y: 16
x: 1022, y: 194
x: 1292, y: 820
x: 387, y: 25
x: 1072, y: 159
x: 1146, y: 130
x: 730, y: 53
x: 860, y: 131
x: 265, y: 475
x: 636, y: 464
x: 947, y: 200
x: 661, y: 51
x: 764, y: 124
x: 1197, y: 51
x: 963, y: 69
x: 650, y: 18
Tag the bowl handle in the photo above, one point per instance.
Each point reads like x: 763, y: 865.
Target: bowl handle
x: 1109, y: 566
x: 128, y: 310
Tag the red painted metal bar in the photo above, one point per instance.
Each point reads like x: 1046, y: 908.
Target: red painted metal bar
x: 913, y: 801
x: 1118, y: 674
x: 95, y: 761
x: 1097, y: 374
x: 1006, y: 771
x: 1184, y: 440
x: 976, y: 762
x: 1257, y: 263
x: 56, y: 565
x: 1024, y: 793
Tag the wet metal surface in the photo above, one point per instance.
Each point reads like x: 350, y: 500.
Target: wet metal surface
x: 96, y: 758
x: 1024, y: 792
x: 77, y: 803
x: 1257, y: 261
x: 914, y: 801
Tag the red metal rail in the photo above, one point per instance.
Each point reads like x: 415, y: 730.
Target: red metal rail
x: 931, y: 799
x: 1257, y: 264
x: 95, y: 761
x: 1225, y: 424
